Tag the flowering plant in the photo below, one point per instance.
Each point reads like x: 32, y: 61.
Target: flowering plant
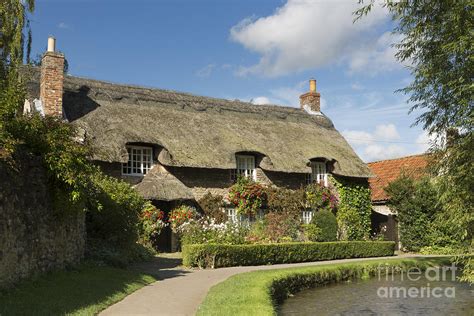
x: 319, y: 197
x: 152, y: 221
x: 207, y: 230
x: 247, y: 196
x: 180, y: 216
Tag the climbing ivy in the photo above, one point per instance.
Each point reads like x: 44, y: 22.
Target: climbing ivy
x: 354, y: 209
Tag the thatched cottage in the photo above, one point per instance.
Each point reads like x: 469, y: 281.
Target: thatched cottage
x: 174, y: 146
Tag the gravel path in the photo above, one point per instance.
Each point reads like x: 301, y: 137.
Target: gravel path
x: 179, y: 291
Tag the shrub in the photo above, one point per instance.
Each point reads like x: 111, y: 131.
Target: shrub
x: 216, y: 255
x: 113, y: 212
x: 326, y: 222
x: 311, y: 232
x: 207, y: 230
x: 416, y: 205
x: 287, y: 201
x: 280, y: 227
x: 212, y: 206
x: 247, y: 196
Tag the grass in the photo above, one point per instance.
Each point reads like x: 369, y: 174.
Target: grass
x: 85, y: 290
x: 258, y: 292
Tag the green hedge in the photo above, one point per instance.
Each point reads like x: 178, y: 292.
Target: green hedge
x: 216, y: 255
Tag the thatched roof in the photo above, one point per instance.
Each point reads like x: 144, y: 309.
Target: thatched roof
x: 159, y: 183
x: 200, y: 131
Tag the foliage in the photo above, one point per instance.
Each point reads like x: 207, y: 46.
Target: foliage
x: 437, y: 250
x: 467, y: 263
x: 84, y: 290
x: 284, y: 200
x: 113, y: 211
x: 455, y: 180
x: 262, y: 291
x: 311, y: 232
x: 416, y: 205
x: 216, y: 255
x: 247, y: 195
x: 212, y: 206
x: 99, y: 252
x: 326, y: 223
x: 319, y: 197
x: 151, y: 223
x: 354, y: 209
x: 437, y: 41
x: 280, y: 227
x: 13, y: 23
x: 67, y: 162
x: 206, y: 230
x: 181, y: 215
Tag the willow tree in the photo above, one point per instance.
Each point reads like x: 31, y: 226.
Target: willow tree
x: 437, y: 43
x: 15, y: 39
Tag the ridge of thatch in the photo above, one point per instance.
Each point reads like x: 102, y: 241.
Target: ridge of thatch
x: 199, y: 131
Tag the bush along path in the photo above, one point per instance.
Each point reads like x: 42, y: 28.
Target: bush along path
x: 180, y: 291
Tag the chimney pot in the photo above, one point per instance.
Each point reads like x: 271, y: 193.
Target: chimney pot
x: 312, y: 85
x: 310, y: 101
x: 51, y: 44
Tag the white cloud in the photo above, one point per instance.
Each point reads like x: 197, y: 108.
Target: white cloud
x: 376, y: 152
x: 305, y: 34
x: 260, y: 100
x: 371, y: 146
x: 206, y: 71
x: 63, y: 25
x: 386, y: 132
x: 356, y: 86
x: 427, y: 141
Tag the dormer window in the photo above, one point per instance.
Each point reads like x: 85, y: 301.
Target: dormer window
x: 140, y: 161
x: 318, y: 173
x: 245, y: 167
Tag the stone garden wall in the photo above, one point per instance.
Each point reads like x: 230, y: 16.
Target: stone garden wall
x: 33, y: 237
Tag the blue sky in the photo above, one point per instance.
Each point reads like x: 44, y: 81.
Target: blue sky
x: 260, y: 51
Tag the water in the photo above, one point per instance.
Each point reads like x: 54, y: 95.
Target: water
x: 361, y: 297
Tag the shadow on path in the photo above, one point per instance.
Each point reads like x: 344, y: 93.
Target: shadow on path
x: 163, y: 266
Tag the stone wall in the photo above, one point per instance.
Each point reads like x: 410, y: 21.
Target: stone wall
x: 34, y: 238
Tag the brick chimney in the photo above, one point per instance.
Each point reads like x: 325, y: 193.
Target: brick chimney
x: 51, y: 83
x: 310, y: 101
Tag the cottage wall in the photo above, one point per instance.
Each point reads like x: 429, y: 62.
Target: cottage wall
x: 216, y: 181
x: 33, y: 238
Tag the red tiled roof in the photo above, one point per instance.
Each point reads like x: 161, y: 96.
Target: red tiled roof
x: 386, y: 171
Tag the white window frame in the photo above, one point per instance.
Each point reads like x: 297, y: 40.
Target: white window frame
x: 318, y: 173
x: 142, y: 157
x: 306, y: 216
x: 232, y: 215
x: 245, y: 166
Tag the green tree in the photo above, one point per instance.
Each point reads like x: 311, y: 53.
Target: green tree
x: 417, y: 207
x: 438, y: 43
x: 13, y: 25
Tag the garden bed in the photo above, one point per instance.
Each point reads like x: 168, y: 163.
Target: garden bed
x: 259, y: 292
x: 218, y: 255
